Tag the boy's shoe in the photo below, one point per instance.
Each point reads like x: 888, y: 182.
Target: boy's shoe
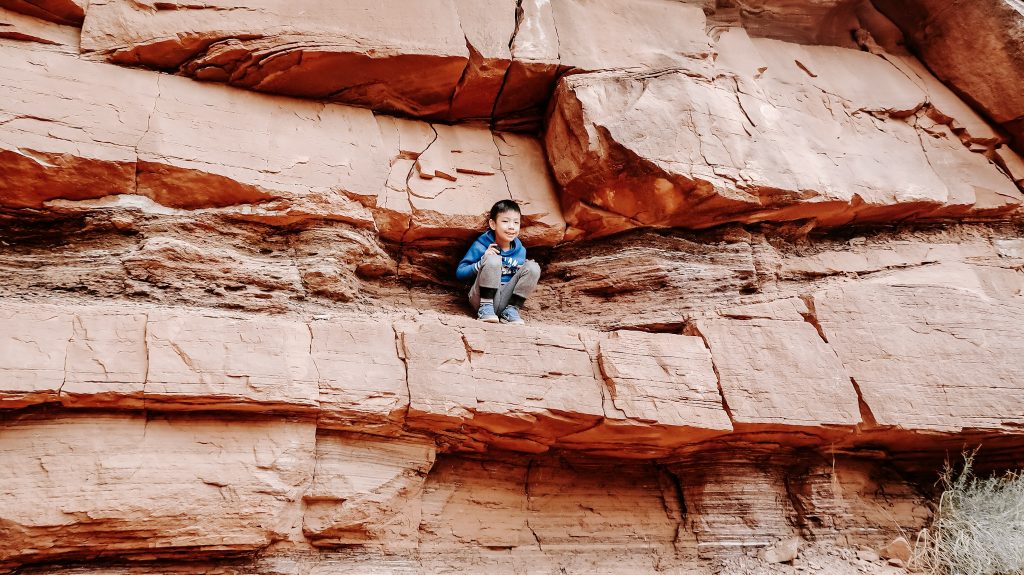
x: 486, y: 313
x: 511, y: 315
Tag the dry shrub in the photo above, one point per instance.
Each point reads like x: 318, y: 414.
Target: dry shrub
x: 978, y: 528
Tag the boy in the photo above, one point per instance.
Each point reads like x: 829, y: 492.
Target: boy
x: 504, y: 278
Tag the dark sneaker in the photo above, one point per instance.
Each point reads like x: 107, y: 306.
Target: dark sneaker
x: 511, y: 315
x: 486, y: 313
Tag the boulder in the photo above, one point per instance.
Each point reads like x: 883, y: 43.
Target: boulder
x: 976, y: 48
x: 781, y: 132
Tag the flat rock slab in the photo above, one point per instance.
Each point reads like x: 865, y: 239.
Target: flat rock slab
x: 531, y: 385
x: 399, y: 56
x: 178, y: 143
x: 934, y: 349
x: 774, y: 368
x: 470, y: 385
x: 824, y: 370
x: 159, y: 144
x: 87, y: 485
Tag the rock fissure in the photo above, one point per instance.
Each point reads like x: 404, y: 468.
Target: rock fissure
x: 504, y: 79
x: 868, y: 420
x: 811, y: 316
x: 529, y: 505
x: 691, y: 328
x: 403, y: 356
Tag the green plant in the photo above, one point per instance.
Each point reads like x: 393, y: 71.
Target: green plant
x: 978, y: 527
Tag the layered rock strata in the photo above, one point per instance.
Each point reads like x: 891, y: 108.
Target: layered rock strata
x: 230, y: 340
x: 458, y: 60
x: 135, y: 139
x: 987, y: 74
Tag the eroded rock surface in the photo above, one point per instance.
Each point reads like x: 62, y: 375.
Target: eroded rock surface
x: 164, y: 144
x: 983, y: 66
x: 780, y: 132
x: 231, y: 342
x: 66, y: 12
x: 457, y: 60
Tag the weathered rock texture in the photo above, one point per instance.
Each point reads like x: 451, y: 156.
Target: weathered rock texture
x: 984, y: 67
x: 68, y: 12
x: 782, y: 282
x: 153, y: 141
x: 454, y: 60
x: 776, y: 132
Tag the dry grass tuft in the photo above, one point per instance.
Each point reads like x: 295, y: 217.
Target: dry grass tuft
x: 978, y: 528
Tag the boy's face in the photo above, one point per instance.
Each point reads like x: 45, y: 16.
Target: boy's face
x: 506, y: 227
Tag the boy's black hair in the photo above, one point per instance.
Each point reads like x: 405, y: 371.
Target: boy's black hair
x: 504, y: 206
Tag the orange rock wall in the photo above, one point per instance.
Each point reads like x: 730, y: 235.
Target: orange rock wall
x: 782, y: 277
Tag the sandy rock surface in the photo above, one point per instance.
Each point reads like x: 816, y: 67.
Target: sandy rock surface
x: 986, y: 72
x: 779, y: 132
x: 65, y: 12
x: 781, y: 283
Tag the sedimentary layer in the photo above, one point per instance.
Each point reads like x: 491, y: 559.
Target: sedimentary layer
x: 782, y: 274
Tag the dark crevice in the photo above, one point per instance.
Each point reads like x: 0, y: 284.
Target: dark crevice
x: 693, y: 329
x: 404, y: 357
x: 866, y: 416
x: 811, y: 316
x: 529, y: 509
x: 511, y: 64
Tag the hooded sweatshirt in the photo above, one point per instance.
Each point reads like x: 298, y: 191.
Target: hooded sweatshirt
x: 511, y: 259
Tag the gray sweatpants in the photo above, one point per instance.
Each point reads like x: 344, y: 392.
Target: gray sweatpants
x: 521, y: 284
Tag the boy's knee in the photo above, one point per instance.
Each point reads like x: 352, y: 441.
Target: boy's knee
x: 531, y: 268
x: 491, y: 259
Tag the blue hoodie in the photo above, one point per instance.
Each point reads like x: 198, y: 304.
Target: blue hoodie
x: 511, y: 259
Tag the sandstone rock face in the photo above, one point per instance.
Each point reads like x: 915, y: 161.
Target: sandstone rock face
x: 444, y: 178
x: 983, y: 67
x: 679, y: 149
x: 973, y: 324
x: 781, y: 283
x: 458, y: 60
x: 364, y: 491
x: 67, y: 12
x: 126, y: 142
x: 17, y: 26
x: 90, y: 485
x: 804, y: 384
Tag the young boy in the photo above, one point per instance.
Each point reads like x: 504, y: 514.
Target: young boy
x: 504, y: 278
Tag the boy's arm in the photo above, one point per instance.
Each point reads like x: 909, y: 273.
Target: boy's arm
x: 470, y: 264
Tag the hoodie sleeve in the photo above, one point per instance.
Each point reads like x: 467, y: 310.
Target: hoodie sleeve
x: 467, y: 269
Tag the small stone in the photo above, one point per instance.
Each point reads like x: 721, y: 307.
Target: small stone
x: 897, y: 563
x: 867, y: 554
x: 899, y: 548
x: 782, y: 552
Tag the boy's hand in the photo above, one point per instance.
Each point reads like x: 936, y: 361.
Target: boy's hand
x: 493, y: 249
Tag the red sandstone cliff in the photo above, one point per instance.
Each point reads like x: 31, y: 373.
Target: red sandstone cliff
x: 782, y: 254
